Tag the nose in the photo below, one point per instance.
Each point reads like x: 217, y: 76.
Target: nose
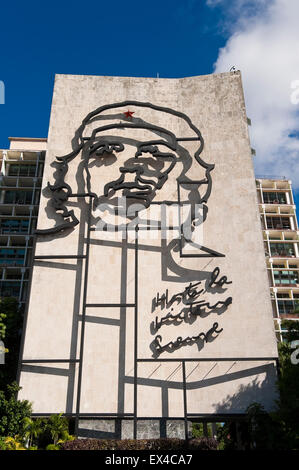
x: 134, y: 169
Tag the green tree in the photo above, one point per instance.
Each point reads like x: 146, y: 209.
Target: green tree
x: 58, y: 427
x: 33, y: 428
x: 12, y: 412
x: 278, y: 430
x: 10, y: 333
x: 264, y: 429
x: 2, y: 326
x: 197, y: 430
x: 288, y: 383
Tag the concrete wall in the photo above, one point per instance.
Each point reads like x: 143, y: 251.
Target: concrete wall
x: 19, y: 143
x: 215, y: 104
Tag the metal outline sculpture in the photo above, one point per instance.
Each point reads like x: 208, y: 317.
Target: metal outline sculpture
x: 62, y: 191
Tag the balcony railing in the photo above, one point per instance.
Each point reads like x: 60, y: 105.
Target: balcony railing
x: 271, y: 177
x: 289, y: 315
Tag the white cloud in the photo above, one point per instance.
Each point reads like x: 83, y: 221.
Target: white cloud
x: 265, y: 47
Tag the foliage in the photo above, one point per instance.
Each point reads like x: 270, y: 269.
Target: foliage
x: 10, y: 333
x: 36, y: 433
x: 278, y: 430
x: 204, y: 443
x: 52, y: 447
x: 32, y: 430
x: 58, y: 427
x: 8, y: 316
x: 288, y: 382
x: 140, y: 444
x: 2, y: 326
x: 11, y: 443
x: 233, y: 436
x: 264, y: 429
x: 291, y: 330
x: 12, y: 412
x: 46, y: 433
x: 198, y: 430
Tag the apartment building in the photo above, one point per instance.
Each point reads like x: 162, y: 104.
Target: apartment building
x: 281, y: 236
x: 20, y: 184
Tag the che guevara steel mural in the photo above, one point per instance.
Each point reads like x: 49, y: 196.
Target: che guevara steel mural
x: 137, y: 183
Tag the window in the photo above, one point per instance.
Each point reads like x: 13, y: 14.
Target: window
x: 10, y: 289
x: 14, y: 275
x: 14, y: 226
x: 282, y: 249
x: 12, y: 256
x: 278, y: 223
x: 13, y: 170
x: 280, y: 295
x: 286, y: 277
x: 18, y: 197
x: 274, y: 198
x: 288, y: 306
x: 21, y: 170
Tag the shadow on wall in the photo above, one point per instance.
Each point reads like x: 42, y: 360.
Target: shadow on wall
x: 254, y: 392
x: 238, y: 403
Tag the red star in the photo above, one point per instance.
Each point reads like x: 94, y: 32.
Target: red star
x: 129, y: 114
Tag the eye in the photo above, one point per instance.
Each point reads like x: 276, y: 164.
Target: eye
x: 100, y: 148
x: 153, y: 149
x: 160, y: 151
x: 151, y: 166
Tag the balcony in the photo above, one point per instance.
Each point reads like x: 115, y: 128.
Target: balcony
x: 10, y: 288
x: 288, y: 308
x: 21, y: 170
x: 12, y: 256
x: 11, y: 226
x: 282, y: 250
x: 286, y: 278
x: 274, y: 198
x: 278, y: 223
x: 18, y: 197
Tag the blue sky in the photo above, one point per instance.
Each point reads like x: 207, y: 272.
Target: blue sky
x: 174, y: 38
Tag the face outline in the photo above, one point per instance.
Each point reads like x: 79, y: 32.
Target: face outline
x: 62, y: 191
x: 139, y: 177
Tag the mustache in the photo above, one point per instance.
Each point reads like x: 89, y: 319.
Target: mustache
x: 144, y: 186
